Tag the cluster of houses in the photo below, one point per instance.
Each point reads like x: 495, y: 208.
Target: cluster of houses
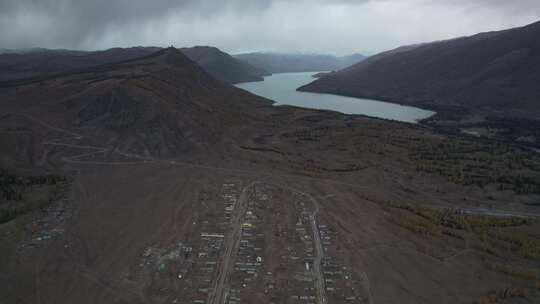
x: 275, y: 256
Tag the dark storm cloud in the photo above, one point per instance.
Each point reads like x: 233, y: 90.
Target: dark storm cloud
x: 70, y: 22
x: 338, y: 26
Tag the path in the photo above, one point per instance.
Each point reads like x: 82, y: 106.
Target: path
x: 317, y: 262
x: 219, y: 292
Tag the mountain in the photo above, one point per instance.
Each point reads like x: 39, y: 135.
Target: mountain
x: 346, y: 61
x: 162, y: 104
x: 19, y: 64
x: 283, y: 63
x: 22, y: 51
x: 496, y: 73
x: 38, y: 62
x: 150, y: 181
x: 222, y: 65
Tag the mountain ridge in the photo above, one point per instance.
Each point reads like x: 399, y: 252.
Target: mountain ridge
x: 18, y: 65
x: 284, y: 63
x: 163, y: 104
x: 458, y: 71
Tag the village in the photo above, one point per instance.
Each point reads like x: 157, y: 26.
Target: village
x: 273, y: 261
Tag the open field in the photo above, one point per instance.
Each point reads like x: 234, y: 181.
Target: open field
x: 255, y: 232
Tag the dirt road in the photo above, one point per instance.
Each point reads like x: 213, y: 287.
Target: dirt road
x: 317, y: 261
x: 219, y: 291
x: 317, y: 267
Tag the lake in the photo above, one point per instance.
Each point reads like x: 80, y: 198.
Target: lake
x: 281, y: 88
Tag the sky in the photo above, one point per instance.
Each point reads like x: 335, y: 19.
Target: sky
x: 293, y: 26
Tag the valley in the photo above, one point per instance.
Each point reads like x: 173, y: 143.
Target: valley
x: 159, y: 183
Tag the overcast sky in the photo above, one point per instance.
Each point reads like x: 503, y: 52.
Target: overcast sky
x: 310, y: 26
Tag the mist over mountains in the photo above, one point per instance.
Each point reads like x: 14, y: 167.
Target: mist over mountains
x: 286, y: 63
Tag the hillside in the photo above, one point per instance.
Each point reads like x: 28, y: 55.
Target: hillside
x: 492, y: 71
x: 19, y: 64
x: 223, y: 66
x: 284, y: 63
x: 483, y: 82
x: 158, y: 105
